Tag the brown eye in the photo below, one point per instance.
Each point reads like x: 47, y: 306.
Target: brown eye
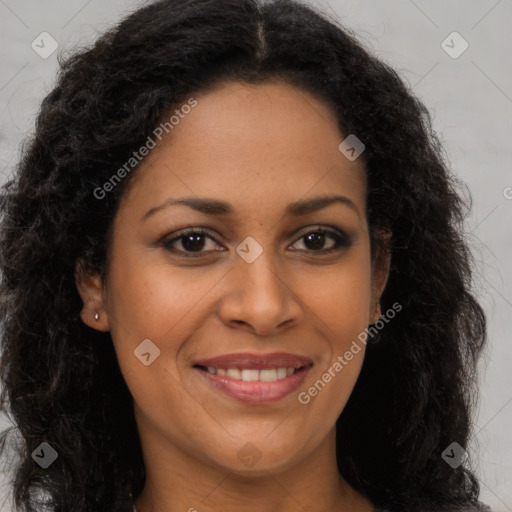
x: 314, y: 241
x: 192, y: 241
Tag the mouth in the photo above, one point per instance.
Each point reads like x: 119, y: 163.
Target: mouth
x: 255, y: 378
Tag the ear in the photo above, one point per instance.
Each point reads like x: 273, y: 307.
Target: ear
x: 380, y: 273
x: 91, y: 290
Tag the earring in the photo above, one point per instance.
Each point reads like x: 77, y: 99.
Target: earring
x: 96, y: 316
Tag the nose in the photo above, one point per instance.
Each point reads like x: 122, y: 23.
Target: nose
x: 259, y: 298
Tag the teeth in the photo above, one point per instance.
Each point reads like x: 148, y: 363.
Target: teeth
x: 268, y: 375
x: 234, y: 373
x: 281, y: 373
x: 247, y: 375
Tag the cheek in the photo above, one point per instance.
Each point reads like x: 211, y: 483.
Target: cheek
x: 150, y: 299
x: 154, y: 301
x: 341, y: 298
x: 339, y: 302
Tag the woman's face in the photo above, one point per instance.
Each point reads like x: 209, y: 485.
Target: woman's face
x: 266, y: 291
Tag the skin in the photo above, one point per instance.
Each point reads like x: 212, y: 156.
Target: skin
x: 258, y: 147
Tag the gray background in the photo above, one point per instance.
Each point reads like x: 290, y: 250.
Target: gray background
x: 470, y: 98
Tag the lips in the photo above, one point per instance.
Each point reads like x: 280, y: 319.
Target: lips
x: 255, y: 378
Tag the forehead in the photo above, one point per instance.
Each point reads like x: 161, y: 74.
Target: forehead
x: 250, y: 143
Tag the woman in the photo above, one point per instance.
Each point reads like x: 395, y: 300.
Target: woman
x: 234, y: 277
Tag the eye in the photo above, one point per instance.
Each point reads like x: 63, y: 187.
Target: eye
x: 193, y: 242
x: 315, y: 239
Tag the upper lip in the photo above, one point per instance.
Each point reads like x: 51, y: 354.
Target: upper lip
x: 256, y: 361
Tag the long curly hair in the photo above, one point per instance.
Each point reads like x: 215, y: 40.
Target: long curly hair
x: 61, y: 379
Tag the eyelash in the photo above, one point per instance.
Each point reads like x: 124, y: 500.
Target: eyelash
x: 341, y: 241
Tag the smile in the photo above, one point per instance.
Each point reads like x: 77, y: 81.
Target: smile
x: 255, y: 378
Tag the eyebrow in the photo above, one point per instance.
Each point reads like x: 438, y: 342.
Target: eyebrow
x: 220, y: 208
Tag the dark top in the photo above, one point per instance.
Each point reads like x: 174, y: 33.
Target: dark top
x: 479, y: 508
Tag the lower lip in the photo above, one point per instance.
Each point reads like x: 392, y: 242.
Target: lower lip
x: 256, y: 391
